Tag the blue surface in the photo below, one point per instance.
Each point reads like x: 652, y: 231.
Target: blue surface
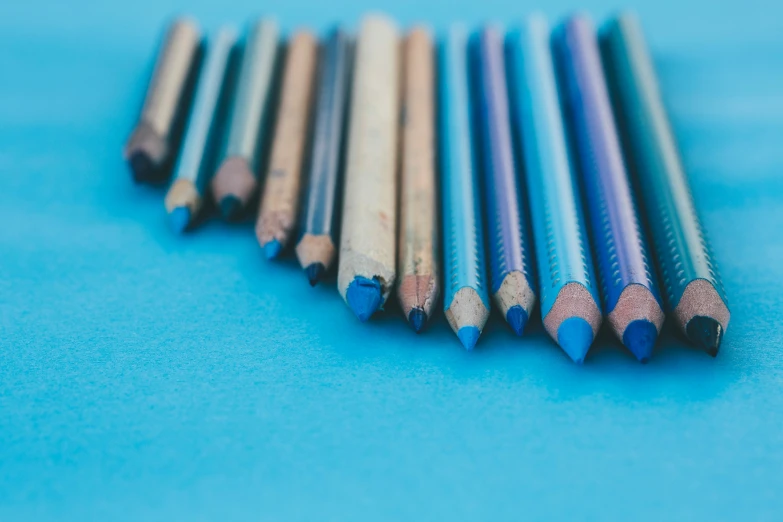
x: 150, y: 376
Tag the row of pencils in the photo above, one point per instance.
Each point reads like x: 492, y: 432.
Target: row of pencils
x: 547, y: 155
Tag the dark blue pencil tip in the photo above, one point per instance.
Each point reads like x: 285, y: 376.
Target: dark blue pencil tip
x: 142, y: 167
x: 706, y: 333
x: 575, y: 337
x: 364, y: 297
x: 179, y: 219
x: 230, y: 208
x: 640, y: 337
x: 417, y: 319
x: 315, y: 272
x: 468, y: 336
x: 517, y: 319
x: 272, y: 249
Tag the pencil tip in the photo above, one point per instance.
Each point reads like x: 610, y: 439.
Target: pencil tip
x: 640, y: 337
x: 179, y: 219
x: 230, y: 207
x: 706, y: 333
x: 315, y: 272
x: 468, y: 336
x: 575, y: 337
x: 517, y: 319
x: 142, y: 167
x: 364, y: 297
x: 272, y: 249
x: 417, y: 319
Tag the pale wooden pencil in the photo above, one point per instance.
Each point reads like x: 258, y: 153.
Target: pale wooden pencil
x: 279, y: 204
x: 418, y: 264
x: 366, y: 271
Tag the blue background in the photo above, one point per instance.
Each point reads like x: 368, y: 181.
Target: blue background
x: 145, y: 376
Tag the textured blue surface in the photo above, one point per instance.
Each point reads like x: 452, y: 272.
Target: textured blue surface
x: 148, y: 376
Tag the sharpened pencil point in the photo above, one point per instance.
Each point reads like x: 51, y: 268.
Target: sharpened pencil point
x: 417, y: 319
x: 230, y: 208
x: 575, y: 337
x: 315, y: 272
x: 706, y: 333
x: 640, y: 337
x: 272, y: 249
x: 468, y: 336
x: 179, y: 219
x: 517, y: 319
x: 142, y: 167
x: 364, y: 297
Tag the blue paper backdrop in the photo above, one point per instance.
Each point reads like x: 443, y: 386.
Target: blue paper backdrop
x: 145, y: 376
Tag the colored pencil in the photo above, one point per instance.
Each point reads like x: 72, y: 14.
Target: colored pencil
x: 154, y: 142
x: 508, y: 250
x: 195, y: 167
x: 568, y: 291
x: 366, y: 272
x: 236, y: 180
x: 280, y: 201
x: 694, y: 292
x: 630, y: 294
x: 466, y: 300
x: 317, y: 246
x: 418, y: 265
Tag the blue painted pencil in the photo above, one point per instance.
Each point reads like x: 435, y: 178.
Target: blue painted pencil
x: 466, y: 303
x: 630, y: 294
x: 249, y: 122
x: 694, y: 292
x: 509, y: 254
x: 194, y: 169
x: 567, y: 285
x: 317, y: 246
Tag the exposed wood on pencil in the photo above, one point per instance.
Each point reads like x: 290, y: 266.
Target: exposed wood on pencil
x: 279, y: 204
x: 418, y: 267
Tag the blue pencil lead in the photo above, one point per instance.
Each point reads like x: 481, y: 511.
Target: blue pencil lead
x: 364, y: 297
x: 575, y: 337
x: 417, y: 319
x: 517, y: 319
x: 315, y: 272
x: 640, y: 337
x: 272, y: 249
x: 179, y: 219
x: 230, y: 207
x: 468, y: 335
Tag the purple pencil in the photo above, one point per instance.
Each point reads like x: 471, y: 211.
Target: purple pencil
x: 631, y: 298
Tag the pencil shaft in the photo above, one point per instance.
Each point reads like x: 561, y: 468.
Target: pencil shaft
x: 463, y: 242
x: 618, y: 239
x: 195, y: 165
x: 249, y: 117
x: 158, y: 129
x: 560, y: 234
x: 368, y: 236
x: 322, y: 198
x: 279, y: 203
x: 418, y: 265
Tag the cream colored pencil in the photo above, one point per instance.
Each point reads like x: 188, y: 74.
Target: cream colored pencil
x: 366, y: 271
x: 280, y: 201
x: 418, y: 262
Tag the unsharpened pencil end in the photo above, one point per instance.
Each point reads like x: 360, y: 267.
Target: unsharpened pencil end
x: 272, y: 249
x: 142, y: 167
x: 468, y: 336
x: 517, y: 319
x: 315, y: 272
x: 706, y: 333
x: 640, y: 337
x: 230, y: 208
x: 179, y: 218
x: 575, y: 337
x: 417, y: 319
x: 364, y: 297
